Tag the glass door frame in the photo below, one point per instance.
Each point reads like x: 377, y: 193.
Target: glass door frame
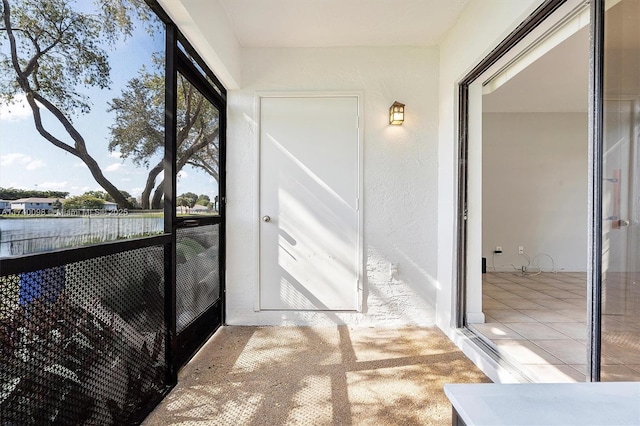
x: 596, y: 143
x: 594, y: 262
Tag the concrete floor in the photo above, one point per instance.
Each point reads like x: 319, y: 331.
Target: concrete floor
x: 318, y: 376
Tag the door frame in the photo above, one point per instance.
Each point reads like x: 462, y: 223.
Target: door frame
x: 184, y: 60
x: 359, y: 95
x: 595, y: 138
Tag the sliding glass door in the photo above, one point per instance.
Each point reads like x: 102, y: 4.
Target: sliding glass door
x: 620, y: 294
x: 579, y: 314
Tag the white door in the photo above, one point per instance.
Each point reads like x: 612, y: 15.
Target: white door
x: 309, y: 203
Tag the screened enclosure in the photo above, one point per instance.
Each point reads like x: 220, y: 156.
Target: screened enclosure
x: 111, y: 246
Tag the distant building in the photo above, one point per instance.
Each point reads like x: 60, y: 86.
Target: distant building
x: 199, y: 209
x: 5, y: 206
x: 33, y: 205
x: 110, y: 206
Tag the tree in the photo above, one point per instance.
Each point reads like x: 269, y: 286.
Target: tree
x: 83, y: 202
x: 107, y: 197
x: 54, y: 51
x: 189, y: 198
x: 203, y: 200
x: 124, y: 193
x: 15, y: 194
x: 138, y: 131
x: 96, y: 194
x: 134, y: 202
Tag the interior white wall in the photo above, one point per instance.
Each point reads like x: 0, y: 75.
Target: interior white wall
x: 400, y: 177
x: 535, y: 189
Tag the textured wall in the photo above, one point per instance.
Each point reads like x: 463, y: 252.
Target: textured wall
x: 203, y: 23
x: 400, y: 177
x: 479, y: 29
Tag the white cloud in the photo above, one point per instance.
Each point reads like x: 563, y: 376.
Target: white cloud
x: 14, y: 158
x: 182, y: 175
x: 136, y: 192
x: 79, y: 164
x: 115, y: 154
x: 113, y: 168
x: 53, y: 186
x: 125, y: 180
x: 79, y: 190
x: 36, y: 164
x: 18, y: 110
x: 19, y: 159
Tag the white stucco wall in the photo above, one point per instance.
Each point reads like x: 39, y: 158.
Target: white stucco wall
x: 481, y: 27
x: 204, y: 24
x: 400, y: 177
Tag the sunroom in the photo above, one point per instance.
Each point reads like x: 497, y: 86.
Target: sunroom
x: 260, y: 181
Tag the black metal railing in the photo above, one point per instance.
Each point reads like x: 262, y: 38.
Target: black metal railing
x: 83, y: 335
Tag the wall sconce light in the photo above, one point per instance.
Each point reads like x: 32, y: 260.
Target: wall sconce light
x: 396, y: 113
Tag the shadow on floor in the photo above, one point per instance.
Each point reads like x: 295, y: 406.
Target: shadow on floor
x: 318, y: 376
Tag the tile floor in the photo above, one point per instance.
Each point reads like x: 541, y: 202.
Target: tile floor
x: 539, y: 323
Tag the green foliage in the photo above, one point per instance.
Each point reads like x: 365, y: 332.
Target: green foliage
x: 83, y: 202
x: 61, y: 362
x: 106, y: 197
x: 188, y: 199
x: 55, y: 39
x: 203, y: 200
x: 16, y: 194
x: 138, y: 131
x: 61, y: 49
x: 133, y: 202
x: 187, y: 249
x: 96, y: 194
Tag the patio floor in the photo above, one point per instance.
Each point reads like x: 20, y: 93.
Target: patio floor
x: 318, y: 376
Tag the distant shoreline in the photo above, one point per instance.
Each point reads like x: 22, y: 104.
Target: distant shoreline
x: 140, y: 214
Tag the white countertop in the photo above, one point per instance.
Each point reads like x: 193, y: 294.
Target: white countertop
x: 601, y: 403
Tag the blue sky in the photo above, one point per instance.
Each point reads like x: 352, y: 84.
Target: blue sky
x: 28, y: 161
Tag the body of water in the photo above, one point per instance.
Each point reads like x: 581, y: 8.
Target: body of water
x: 33, y: 235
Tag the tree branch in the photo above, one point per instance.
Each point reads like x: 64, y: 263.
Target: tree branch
x: 151, y: 181
x: 12, y: 40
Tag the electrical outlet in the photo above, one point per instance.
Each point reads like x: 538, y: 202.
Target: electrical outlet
x: 498, y: 250
x: 520, y: 250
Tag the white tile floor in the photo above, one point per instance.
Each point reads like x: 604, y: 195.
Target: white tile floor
x: 539, y: 323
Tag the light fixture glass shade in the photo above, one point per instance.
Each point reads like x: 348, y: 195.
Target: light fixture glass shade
x: 396, y: 113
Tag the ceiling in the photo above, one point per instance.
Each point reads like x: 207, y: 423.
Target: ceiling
x: 556, y: 82
x: 336, y: 23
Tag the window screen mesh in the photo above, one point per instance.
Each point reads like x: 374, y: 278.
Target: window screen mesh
x: 83, y: 343
x: 197, y: 272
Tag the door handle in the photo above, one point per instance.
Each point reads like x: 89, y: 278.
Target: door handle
x: 617, y: 223
x: 266, y: 218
